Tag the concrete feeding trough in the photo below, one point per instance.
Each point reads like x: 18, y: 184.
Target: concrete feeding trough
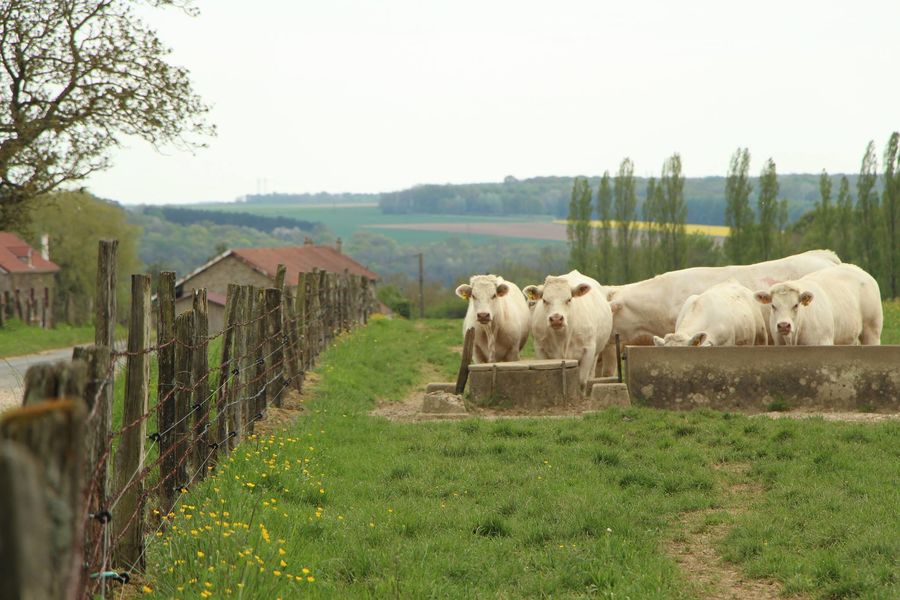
x: 524, y: 384
x: 753, y: 378
x: 608, y: 391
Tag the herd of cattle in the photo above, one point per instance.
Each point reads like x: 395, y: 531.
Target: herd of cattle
x: 807, y: 299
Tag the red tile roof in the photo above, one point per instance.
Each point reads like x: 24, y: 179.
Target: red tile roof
x: 14, y: 256
x: 300, y: 259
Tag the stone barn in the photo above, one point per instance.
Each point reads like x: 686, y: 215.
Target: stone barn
x: 258, y: 266
x: 27, y: 281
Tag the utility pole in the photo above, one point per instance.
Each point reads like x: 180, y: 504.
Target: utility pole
x: 421, y: 286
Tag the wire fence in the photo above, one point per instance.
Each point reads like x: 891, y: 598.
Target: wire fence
x: 141, y: 445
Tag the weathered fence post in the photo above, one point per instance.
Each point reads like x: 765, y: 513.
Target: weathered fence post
x: 364, y: 300
x: 275, y: 346
x: 165, y: 387
x: 303, y: 324
x: 224, y: 423
x: 263, y: 360
x: 184, y: 339
x: 280, y: 273
x: 463, y: 374
x: 314, y: 316
x: 96, y: 452
x: 292, y: 343
x: 201, y: 383
x: 247, y: 355
x: 128, y: 518
x: 105, y: 316
x: 49, y: 428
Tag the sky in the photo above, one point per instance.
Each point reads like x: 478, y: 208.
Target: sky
x: 355, y: 96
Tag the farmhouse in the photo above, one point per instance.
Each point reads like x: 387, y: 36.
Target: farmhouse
x: 27, y: 280
x: 258, y: 266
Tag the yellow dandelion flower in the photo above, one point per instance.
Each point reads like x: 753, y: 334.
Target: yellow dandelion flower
x: 147, y: 589
x: 200, y: 554
x: 310, y: 579
x: 276, y: 573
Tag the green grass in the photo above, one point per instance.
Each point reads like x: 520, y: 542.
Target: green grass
x: 17, y: 339
x: 891, y: 332
x: 345, y: 221
x: 525, y: 507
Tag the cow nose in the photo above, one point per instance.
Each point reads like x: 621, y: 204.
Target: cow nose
x: 556, y: 320
x: 784, y: 327
x: 483, y: 317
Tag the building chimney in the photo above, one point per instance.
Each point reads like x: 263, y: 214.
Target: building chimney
x: 339, y: 245
x: 307, y: 241
x: 45, y: 246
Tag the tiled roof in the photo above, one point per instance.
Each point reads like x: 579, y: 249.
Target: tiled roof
x: 14, y: 256
x: 300, y: 259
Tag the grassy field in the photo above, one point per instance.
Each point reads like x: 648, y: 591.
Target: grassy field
x: 344, y: 221
x: 891, y: 332
x: 17, y: 339
x: 346, y: 505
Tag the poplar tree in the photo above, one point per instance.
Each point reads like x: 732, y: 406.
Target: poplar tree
x: 824, y: 214
x: 625, y: 209
x: 578, y: 229
x: 767, y: 208
x: 890, y: 205
x: 604, y: 232
x: 674, y: 212
x: 738, y: 214
x: 651, y: 232
x: 844, y: 217
x: 867, y: 213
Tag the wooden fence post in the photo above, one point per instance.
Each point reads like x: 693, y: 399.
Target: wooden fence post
x: 247, y: 356
x: 302, y: 325
x: 275, y: 348
x: 96, y: 451
x: 292, y: 346
x: 313, y: 316
x: 105, y: 316
x: 51, y: 427
x: 165, y: 387
x: 201, y: 384
x: 280, y: 272
x: 263, y: 361
x: 226, y: 381
x: 128, y: 518
x: 184, y: 339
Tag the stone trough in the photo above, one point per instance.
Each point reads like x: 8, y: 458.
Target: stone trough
x: 756, y: 378
x: 524, y: 384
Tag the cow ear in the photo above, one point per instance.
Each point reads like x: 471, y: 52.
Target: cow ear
x: 502, y: 289
x: 464, y: 291
x: 533, y: 292
x: 763, y: 297
x: 615, y: 306
x: 658, y: 341
x: 806, y: 298
x: 580, y: 290
x: 698, y: 339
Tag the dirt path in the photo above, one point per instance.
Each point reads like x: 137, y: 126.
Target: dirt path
x: 694, y: 544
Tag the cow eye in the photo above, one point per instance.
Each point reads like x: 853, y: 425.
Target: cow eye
x: 546, y: 303
x: 795, y: 306
x: 473, y: 297
x: 568, y: 300
x: 494, y: 297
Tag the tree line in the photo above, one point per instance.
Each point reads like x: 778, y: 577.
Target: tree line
x: 634, y: 241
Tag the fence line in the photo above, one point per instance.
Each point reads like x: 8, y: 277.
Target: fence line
x: 168, y: 440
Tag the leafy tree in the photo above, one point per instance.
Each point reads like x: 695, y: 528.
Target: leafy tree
x: 767, y: 207
x: 625, y: 210
x: 76, y: 77
x: 674, y: 213
x: 844, y: 239
x: 604, y: 232
x: 867, y: 213
x: 891, y: 206
x: 578, y: 229
x: 824, y: 213
x: 738, y: 214
x: 782, y: 243
x: 652, y: 217
x: 76, y: 222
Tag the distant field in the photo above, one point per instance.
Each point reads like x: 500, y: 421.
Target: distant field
x: 346, y: 220
x: 718, y: 231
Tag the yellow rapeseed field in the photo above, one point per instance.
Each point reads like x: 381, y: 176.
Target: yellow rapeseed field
x: 713, y: 230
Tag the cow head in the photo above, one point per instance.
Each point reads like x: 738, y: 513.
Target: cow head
x: 785, y: 300
x: 482, y: 292
x: 533, y: 295
x: 680, y: 339
x: 555, y: 297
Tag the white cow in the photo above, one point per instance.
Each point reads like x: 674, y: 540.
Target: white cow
x: 840, y: 305
x: 650, y: 308
x: 724, y: 315
x: 499, y: 313
x: 570, y: 319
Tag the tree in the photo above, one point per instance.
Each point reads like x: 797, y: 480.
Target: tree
x: 75, y: 78
x: 890, y: 205
x: 738, y: 214
x: 767, y: 207
x: 604, y: 232
x: 578, y: 229
x: 824, y: 217
x: 674, y: 212
x: 651, y: 215
x: 625, y: 210
x: 867, y: 213
x: 844, y: 239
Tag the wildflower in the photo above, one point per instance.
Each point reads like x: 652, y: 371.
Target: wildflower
x: 276, y: 573
x: 282, y: 563
x: 310, y: 579
x: 148, y: 589
x: 200, y: 554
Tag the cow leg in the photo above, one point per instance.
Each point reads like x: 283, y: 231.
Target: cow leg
x: 586, y: 366
x: 480, y: 355
x: 608, y: 366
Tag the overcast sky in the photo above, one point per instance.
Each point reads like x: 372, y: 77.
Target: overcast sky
x: 348, y: 95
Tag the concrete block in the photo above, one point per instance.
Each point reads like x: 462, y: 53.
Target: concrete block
x: 442, y: 386
x: 526, y: 384
x: 604, y: 395
x: 439, y: 402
